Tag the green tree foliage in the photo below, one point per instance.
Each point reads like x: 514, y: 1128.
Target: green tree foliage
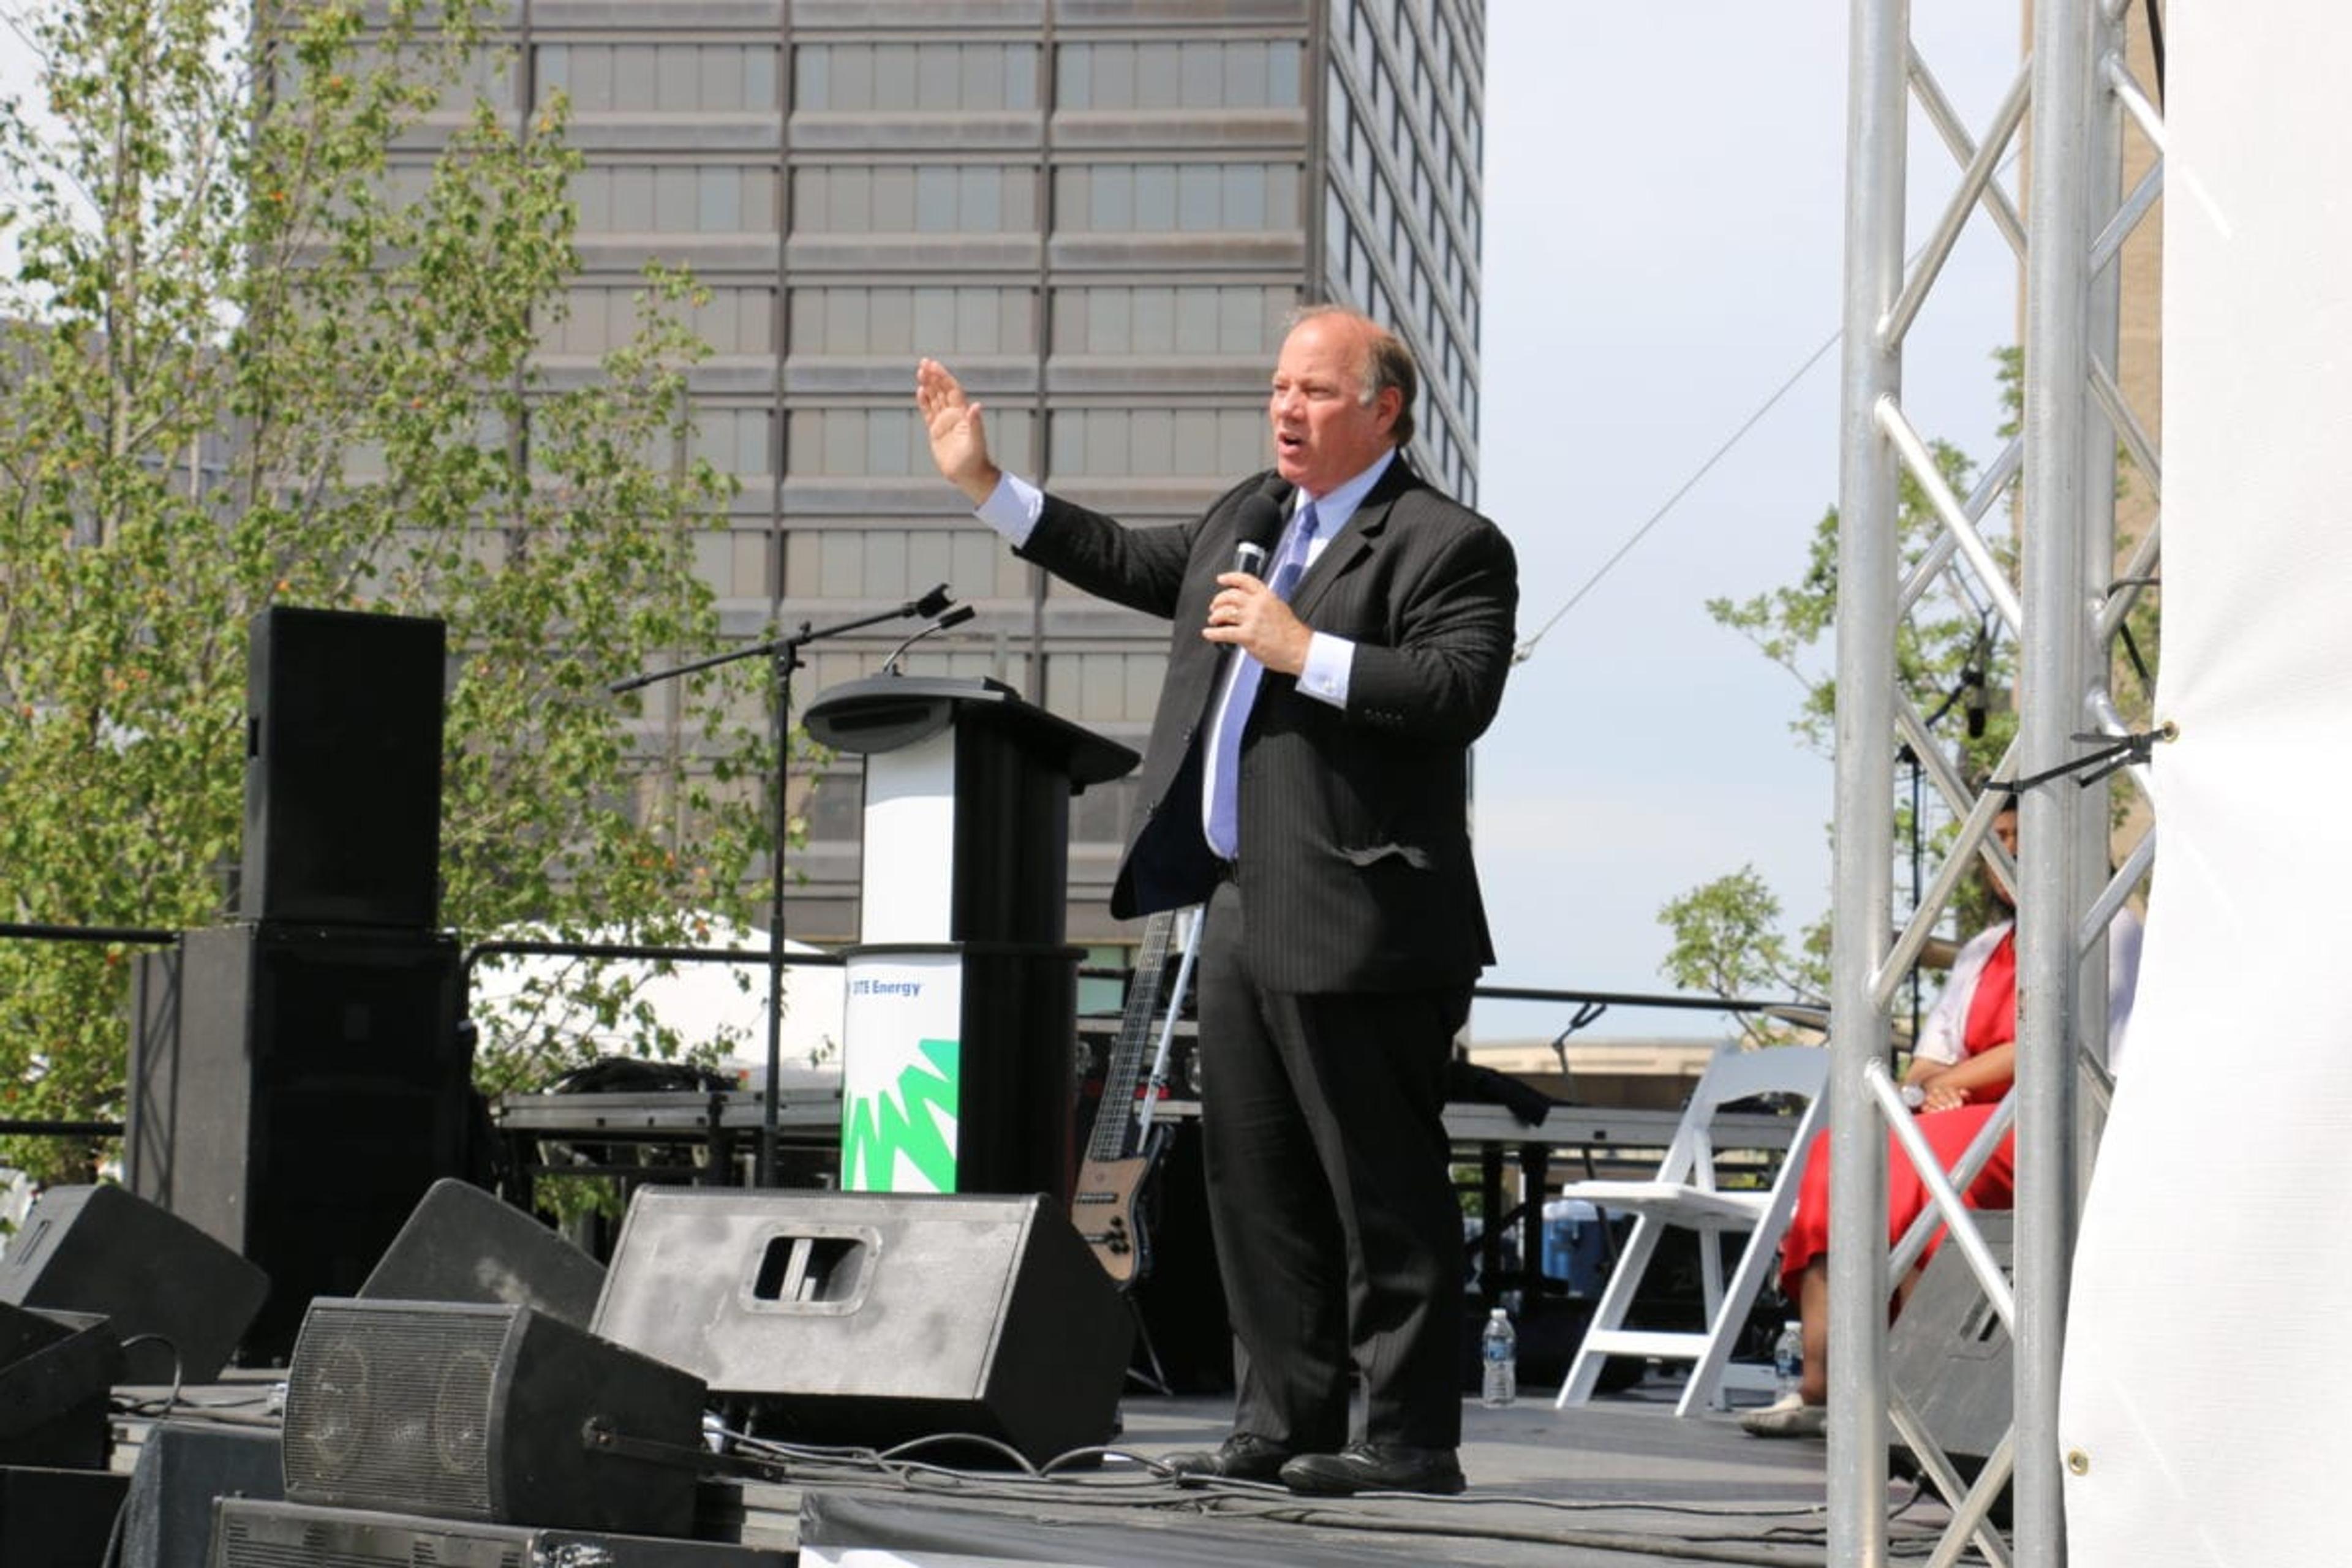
x: 1950, y: 629
x: 251, y: 359
x: 1727, y: 935
x: 1729, y: 942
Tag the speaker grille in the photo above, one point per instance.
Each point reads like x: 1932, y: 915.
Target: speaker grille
x: 460, y: 1411
x: 396, y: 1406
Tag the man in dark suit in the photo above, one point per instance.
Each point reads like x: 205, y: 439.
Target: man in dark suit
x: 1306, y: 779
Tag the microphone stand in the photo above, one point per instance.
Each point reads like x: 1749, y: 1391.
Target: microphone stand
x: 786, y: 652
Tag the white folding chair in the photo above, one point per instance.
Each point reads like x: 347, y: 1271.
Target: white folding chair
x: 1684, y: 1193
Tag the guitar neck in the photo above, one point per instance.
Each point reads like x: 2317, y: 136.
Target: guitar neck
x: 1123, y: 1073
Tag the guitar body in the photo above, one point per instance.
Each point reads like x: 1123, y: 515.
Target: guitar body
x: 1106, y: 1207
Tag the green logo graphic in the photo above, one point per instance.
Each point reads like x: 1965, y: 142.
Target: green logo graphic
x: 876, y: 1129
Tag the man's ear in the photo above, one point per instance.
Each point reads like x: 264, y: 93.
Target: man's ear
x: 1388, y: 406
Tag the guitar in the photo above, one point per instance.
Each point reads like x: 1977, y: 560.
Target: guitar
x: 1119, y: 1156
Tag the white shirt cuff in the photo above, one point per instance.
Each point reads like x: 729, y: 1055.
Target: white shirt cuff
x: 1329, y: 660
x: 1012, y: 509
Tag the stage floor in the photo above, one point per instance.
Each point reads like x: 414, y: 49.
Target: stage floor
x: 1620, y: 1482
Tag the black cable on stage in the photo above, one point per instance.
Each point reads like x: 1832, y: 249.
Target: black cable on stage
x: 171, y: 1395
x: 894, y: 1469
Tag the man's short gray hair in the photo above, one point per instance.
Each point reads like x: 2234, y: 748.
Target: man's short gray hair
x: 1388, y: 363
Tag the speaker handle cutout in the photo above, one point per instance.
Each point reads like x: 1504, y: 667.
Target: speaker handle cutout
x: 815, y: 1269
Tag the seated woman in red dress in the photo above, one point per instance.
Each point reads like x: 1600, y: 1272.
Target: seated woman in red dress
x: 1961, y: 1068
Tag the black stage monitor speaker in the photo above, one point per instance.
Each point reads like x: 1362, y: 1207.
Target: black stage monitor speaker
x: 875, y: 1317
x: 342, y: 772
x: 489, y: 1414
x: 294, y: 1092
x: 291, y: 1535
x: 57, y: 1369
x: 1949, y: 1356
x: 102, y: 1249
x: 56, y: 1519
x: 185, y: 1466
x: 464, y: 1245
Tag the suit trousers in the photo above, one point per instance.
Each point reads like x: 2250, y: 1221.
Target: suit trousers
x: 1332, y: 1199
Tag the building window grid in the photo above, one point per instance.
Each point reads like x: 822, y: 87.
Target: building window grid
x: 1438, y: 22
x: 1107, y: 684
x: 1164, y: 321
x: 831, y: 441
x: 857, y: 322
x: 597, y: 319
x: 1369, y: 54
x: 1392, y: 251
x: 675, y: 198
x: 715, y: 204
x: 1156, y: 442
x: 1201, y: 197
x: 658, y: 78
x: 846, y: 78
x: 1364, y: 160
x: 1358, y: 274
x: 943, y: 198
x: 1180, y: 74
x: 899, y: 561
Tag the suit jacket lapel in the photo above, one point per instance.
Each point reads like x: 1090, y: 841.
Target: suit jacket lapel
x: 1365, y: 532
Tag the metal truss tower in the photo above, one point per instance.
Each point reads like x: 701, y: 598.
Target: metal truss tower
x: 2066, y: 612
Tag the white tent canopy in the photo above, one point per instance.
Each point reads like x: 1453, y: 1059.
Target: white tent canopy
x: 2204, y: 1399
x: 712, y: 1003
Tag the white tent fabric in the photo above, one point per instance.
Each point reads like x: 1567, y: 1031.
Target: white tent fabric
x: 725, y: 1004
x: 2207, y: 1390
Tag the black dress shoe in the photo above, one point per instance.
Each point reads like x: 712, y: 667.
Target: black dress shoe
x: 1243, y: 1457
x: 1375, y: 1467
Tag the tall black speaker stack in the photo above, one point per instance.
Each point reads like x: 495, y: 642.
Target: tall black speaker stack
x: 298, y: 1078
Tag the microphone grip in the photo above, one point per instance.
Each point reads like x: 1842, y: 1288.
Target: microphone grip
x: 1250, y: 558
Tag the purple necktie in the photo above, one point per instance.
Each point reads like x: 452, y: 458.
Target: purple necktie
x: 1224, y: 795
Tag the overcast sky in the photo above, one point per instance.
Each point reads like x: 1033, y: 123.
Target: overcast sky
x: 1664, y: 188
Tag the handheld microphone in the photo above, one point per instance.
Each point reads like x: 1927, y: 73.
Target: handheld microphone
x: 1257, y: 527
x: 955, y: 617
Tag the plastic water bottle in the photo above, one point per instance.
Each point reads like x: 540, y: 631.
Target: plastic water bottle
x: 1788, y: 1360
x: 1498, y: 1352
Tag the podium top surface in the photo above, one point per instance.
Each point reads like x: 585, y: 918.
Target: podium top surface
x: 885, y: 713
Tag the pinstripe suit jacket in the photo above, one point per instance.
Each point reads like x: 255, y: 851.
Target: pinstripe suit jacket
x: 1355, y: 864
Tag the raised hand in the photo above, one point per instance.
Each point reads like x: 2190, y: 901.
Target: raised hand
x: 958, y: 437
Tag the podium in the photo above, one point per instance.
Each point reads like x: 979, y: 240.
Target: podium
x: 961, y: 1018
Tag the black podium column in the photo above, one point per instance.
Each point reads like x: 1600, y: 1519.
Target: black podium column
x: 959, y: 1023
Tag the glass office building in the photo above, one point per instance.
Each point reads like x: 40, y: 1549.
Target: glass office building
x: 1097, y: 212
